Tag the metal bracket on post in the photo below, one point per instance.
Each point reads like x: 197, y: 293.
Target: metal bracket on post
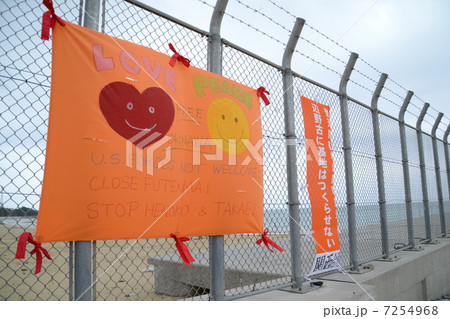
x: 447, y: 157
x: 406, y: 176
x: 423, y: 173
x: 216, y: 243
x: 438, y: 176
x: 379, y: 165
x: 348, y: 162
x: 291, y: 157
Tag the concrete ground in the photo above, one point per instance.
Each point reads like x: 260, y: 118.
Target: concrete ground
x: 410, y: 275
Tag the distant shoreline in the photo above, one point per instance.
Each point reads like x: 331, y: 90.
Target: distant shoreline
x: 21, y: 221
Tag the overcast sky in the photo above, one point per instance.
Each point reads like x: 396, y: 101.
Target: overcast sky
x: 407, y: 39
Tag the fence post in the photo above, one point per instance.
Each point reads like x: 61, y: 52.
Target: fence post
x: 379, y: 165
x: 91, y: 14
x: 82, y: 257
x: 423, y: 173
x: 438, y: 175
x: 70, y: 277
x: 343, y: 99
x: 216, y: 243
x: 447, y: 158
x: 406, y: 177
x: 291, y: 156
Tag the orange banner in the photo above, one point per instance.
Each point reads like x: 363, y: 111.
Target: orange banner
x: 320, y: 185
x: 138, y: 148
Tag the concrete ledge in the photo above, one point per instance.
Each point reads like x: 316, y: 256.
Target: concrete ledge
x: 174, y: 278
x: 417, y: 275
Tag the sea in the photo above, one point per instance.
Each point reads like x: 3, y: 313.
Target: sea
x: 277, y: 219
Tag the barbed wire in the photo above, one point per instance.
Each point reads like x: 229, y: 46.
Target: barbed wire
x: 416, y: 116
x: 246, y: 24
x: 418, y: 108
x: 395, y: 93
x: 408, y: 111
x: 420, y: 99
x: 309, y: 26
x: 390, y: 101
x: 434, y: 109
x: 437, y: 111
x: 441, y: 129
x: 263, y: 14
x: 400, y: 86
x: 317, y: 62
x: 365, y: 75
x: 370, y: 65
x: 328, y: 38
x: 282, y: 8
x: 362, y: 86
x: 324, y: 51
x: 206, y: 3
x: 426, y: 121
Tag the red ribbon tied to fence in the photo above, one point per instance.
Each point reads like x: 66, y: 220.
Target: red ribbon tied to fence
x: 267, y: 241
x: 261, y: 92
x: 48, y: 20
x: 183, y: 250
x: 178, y: 57
x: 38, y: 249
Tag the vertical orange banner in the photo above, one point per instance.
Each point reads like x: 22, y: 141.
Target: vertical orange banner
x: 320, y: 182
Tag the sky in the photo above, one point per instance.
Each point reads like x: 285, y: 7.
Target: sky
x: 407, y: 39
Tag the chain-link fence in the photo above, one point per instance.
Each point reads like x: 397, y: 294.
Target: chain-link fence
x: 149, y: 269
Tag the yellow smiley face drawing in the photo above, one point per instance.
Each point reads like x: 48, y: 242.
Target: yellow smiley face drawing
x: 227, y: 122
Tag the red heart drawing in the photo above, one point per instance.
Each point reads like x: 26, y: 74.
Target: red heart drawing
x: 142, y: 118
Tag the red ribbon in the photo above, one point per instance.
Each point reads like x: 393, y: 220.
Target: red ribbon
x: 183, y: 250
x: 178, y: 57
x: 22, y: 244
x: 261, y: 92
x: 267, y: 241
x: 48, y: 20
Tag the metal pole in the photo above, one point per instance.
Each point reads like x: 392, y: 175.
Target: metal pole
x: 71, y: 271
x: 405, y: 163
x: 92, y: 14
x: 80, y: 16
x: 83, y: 260
x: 379, y: 165
x: 216, y: 243
x: 343, y: 99
x: 83, y: 270
x: 438, y: 175
x: 291, y: 157
x: 447, y: 157
x: 423, y: 173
